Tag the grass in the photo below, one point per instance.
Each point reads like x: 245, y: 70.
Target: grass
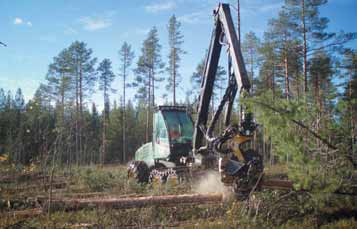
x: 265, y: 210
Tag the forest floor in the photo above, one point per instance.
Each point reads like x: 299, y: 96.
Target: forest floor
x: 24, y: 192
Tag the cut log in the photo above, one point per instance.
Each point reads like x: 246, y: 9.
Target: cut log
x: 25, y: 213
x: 276, y: 184
x: 134, y: 202
x: 58, y: 185
x: 22, y: 177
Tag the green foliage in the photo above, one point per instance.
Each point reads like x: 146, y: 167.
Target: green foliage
x: 96, y: 180
x: 174, y: 57
x: 312, y: 164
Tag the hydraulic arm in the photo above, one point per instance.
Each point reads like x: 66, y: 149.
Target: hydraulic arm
x: 239, y: 167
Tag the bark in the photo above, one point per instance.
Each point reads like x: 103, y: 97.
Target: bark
x: 287, y: 89
x: 135, y: 202
x: 276, y: 184
x: 104, y: 134
x: 304, y: 45
x: 25, y: 213
x: 352, y: 122
x: 124, y: 112
x: 80, y: 113
x: 148, y: 109
x: 174, y: 76
x: 77, y: 115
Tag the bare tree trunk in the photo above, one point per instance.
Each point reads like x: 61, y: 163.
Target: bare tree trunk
x: 273, y: 81
x: 287, y: 89
x: 153, y: 87
x: 136, y: 202
x: 104, y: 134
x: 304, y: 45
x: 174, y: 76
x: 148, y: 109
x: 124, y: 111
x: 351, y: 113
x: 76, y: 119
x: 80, y: 113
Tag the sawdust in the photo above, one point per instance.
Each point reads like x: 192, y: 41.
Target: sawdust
x: 211, y: 183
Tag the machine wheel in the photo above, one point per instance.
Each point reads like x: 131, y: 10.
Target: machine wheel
x: 139, y: 171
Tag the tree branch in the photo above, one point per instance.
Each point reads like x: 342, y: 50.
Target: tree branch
x: 299, y: 123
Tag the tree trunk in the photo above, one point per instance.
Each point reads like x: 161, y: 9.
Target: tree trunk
x: 304, y: 45
x: 76, y: 118
x: 351, y: 113
x: 124, y: 112
x: 174, y: 75
x: 287, y: 89
x: 135, y: 202
x: 104, y: 134
x: 80, y: 113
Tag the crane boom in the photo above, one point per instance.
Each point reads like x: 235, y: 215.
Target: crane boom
x: 224, y: 28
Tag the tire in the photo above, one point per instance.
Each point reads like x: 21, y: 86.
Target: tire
x: 139, y: 171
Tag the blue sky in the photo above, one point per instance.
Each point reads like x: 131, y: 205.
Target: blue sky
x: 37, y: 30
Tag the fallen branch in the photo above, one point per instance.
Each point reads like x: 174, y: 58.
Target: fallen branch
x: 25, y: 213
x: 134, y: 202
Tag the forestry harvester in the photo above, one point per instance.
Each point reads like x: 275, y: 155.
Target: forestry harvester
x: 179, y: 145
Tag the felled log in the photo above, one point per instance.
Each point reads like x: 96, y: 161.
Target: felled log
x: 133, y: 202
x: 276, y: 184
x: 58, y: 185
x: 22, y: 177
x: 25, y: 213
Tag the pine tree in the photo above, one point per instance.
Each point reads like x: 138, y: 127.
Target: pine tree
x: 348, y: 102
x: 197, y: 76
x: 126, y: 58
x: 250, y: 47
x: 268, y: 68
x: 282, y: 33
x: 149, y: 66
x: 175, y: 42
x: 59, y: 88
x: 312, y: 28
x: 82, y: 65
x: 106, y: 78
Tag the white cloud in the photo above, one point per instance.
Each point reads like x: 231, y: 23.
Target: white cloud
x: 95, y: 23
x: 160, y: 6
x: 18, y: 21
x: 194, y: 18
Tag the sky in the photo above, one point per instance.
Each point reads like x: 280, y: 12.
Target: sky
x: 37, y: 30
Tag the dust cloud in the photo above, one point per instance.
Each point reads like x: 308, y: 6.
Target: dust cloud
x: 211, y: 182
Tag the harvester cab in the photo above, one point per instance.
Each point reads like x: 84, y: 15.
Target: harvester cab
x: 170, y: 151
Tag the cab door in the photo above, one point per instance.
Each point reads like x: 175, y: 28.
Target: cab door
x: 161, y: 146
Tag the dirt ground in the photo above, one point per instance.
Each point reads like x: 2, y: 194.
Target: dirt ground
x: 25, y: 191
